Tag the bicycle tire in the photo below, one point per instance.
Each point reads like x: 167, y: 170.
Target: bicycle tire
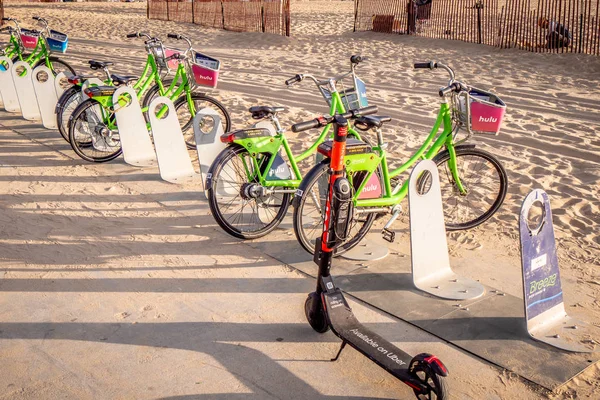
x: 307, y: 241
x: 67, y: 103
x: 214, y: 194
x: 467, y: 171
x: 56, y: 61
x: 83, y: 134
x: 181, y: 104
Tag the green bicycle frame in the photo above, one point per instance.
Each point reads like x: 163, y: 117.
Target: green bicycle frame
x: 431, y: 146
x: 150, y: 74
x: 272, y: 144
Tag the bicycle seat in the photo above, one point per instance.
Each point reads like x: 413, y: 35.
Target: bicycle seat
x: 122, y: 79
x: 370, y: 121
x: 99, y: 64
x: 260, y: 112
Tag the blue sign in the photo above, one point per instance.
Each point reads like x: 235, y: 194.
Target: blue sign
x: 541, y: 276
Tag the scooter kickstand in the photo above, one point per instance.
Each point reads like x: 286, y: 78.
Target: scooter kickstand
x: 339, y: 351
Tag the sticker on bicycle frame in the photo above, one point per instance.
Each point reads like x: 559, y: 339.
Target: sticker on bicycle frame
x: 299, y: 192
x: 279, y: 170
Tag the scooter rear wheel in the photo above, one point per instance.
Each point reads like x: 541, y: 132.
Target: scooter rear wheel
x: 435, y: 382
x: 315, y: 315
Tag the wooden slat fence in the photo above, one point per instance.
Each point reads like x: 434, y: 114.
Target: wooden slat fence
x: 534, y: 25
x: 270, y: 16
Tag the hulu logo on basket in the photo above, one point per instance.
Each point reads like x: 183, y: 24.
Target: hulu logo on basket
x: 489, y: 119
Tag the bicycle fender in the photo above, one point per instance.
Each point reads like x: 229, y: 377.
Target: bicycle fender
x: 313, y: 171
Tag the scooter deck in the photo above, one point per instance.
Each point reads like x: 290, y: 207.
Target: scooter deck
x: 345, y: 325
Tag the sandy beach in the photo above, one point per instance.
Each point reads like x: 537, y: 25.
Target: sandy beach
x: 89, y: 253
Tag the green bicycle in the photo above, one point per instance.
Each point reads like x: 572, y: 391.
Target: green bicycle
x: 249, y: 183
x: 41, y: 44
x: 93, y: 132
x: 473, y: 182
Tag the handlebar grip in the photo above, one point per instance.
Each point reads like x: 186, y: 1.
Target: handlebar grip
x: 425, y: 65
x: 132, y: 35
x: 293, y: 80
x: 5, y: 19
x: 173, y: 36
x: 370, y: 110
x: 303, y: 126
x: 455, y: 87
x: 357, y: 59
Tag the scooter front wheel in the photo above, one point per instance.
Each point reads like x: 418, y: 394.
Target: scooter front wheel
x: 315, y: 315
x: 430, y: 372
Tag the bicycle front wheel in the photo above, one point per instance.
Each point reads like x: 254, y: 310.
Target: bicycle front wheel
x: 92, y: 135
x: 309, y: 212
x: 67, y: 103
x: 484, y: 180
x: 186, y: 115
x: 242, y: 207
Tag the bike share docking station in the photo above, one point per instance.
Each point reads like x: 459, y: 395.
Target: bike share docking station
x: 529, y: 334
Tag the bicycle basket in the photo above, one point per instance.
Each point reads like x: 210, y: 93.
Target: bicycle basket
x: 162, y: 53
x: 205, y: 69
x: 57, y: 41
x: 353, y: 97
x: 484, y: 114
x: 29, y: 38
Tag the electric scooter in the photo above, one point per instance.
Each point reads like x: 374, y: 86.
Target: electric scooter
x: 326, y: 307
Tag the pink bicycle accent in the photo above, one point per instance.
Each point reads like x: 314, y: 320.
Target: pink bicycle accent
x: 372, y: 189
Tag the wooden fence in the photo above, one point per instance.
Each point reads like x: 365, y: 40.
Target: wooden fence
x: 270, y: 16
x: 534, y: 25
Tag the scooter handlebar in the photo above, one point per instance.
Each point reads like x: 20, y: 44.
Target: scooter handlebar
x: 327, y: 119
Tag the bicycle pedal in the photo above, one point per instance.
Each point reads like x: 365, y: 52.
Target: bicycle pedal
x: 388, y: 235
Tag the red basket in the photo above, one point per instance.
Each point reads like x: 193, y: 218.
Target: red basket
x: 205, y: 70
x: 29, y: 38
x: 485, y: 112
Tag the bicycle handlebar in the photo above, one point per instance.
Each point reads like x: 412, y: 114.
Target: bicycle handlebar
x: 327, y: 119
x: 43, y: 21
x: 453, y: 85
x: 139, y: 35
x: 295, y: 79
x: 424, y: 65
x: 181, y: 37
x: 356, y: 59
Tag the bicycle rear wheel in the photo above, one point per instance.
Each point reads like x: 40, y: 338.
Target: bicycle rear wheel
x: 486, y: 184
x: 92, y: 135
x: 236, y: 202
x: 309, y: 211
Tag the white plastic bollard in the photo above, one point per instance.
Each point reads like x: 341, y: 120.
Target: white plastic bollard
x: 208, y: 129
x: 58, y: 83
x: 7, y: 87
x: 45, y: 94
x: 174, y: 161
x: 25, y: 92
x: 135, y: 138
x: 431, y: 270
